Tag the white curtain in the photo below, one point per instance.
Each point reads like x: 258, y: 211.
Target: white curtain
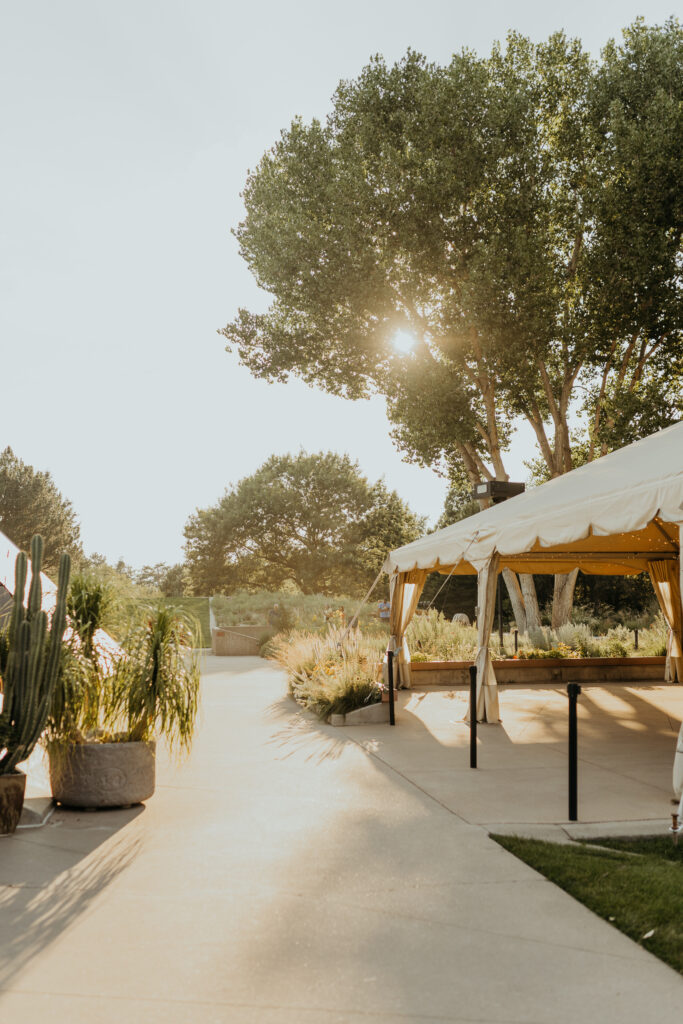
x: 487, y: 687
x: 405, y: 590
x: 665, y: 578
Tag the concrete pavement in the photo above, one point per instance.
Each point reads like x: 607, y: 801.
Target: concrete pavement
x: 282, y: 874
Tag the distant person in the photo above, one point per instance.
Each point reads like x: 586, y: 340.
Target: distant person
x: 275, y: 616
x: 384, y: 610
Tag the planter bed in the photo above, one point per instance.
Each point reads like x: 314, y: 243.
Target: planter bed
x: 544, y: 670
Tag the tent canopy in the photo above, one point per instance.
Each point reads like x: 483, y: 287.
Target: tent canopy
x: 610, y: 517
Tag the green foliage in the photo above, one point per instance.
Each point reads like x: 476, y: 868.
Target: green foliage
x: 155, y: 685
x: 29, y: 659
x: 310, y: 612
x: 328, y: 677
x: 80, y: 697
x: 125, y: 595
x: 169, y: 580
x: 148, y: 688
x: 520, y: 213
x: 30, y: 503
x: 311, y: 521
x: 431, y: 637
x: 642, y: 896
x: 90, y: 606
x: 195, y: 609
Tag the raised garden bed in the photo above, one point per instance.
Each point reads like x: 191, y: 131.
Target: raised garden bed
x: 544, y: 670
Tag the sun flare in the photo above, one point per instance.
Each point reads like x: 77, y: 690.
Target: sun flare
x: 403, y: 342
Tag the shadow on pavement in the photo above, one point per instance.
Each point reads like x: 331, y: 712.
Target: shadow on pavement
x: 50, y: 877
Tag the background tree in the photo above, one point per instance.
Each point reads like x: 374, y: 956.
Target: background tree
x: 519, y: 215
x: 169, y: 580
x: 31, y: 503
x: 311, y: 520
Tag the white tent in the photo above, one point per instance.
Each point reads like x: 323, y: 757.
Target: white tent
x: 8, y: 556
x: 618, y: 515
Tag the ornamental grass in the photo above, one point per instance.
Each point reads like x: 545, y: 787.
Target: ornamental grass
x: 330, y: 673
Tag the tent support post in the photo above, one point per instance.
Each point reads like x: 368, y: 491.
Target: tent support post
x: 500, y: 612
x: 390, y: 673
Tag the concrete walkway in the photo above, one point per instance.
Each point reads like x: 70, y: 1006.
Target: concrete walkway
x: 627, y: 740
x: 283, y: 874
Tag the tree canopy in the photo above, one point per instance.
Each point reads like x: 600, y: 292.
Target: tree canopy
x: 519, y: 214
x: 311, y: 520
x: 31, y: 503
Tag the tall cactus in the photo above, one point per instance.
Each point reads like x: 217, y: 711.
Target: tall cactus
x: 31, y: 659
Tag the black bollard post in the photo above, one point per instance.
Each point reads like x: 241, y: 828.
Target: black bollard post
x: 516, y: 640
x: 390, y: 670
x: 635, y: 632
x: 573, y: 690
x: 473, y: 716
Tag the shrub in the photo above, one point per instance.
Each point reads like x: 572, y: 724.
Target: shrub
x: 431, y: 637
x: 327, y: 677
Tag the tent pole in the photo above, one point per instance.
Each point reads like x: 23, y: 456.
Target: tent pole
x: 500, y: 613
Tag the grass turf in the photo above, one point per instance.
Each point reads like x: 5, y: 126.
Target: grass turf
x: 639, y: 895
x: 199, y: 607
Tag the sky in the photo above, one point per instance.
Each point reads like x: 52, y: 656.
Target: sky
x: 128, y: 129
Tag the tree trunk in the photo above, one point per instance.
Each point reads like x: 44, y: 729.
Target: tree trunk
x: 516, y: 599
x: 533, y: 615
x: 563, y: 597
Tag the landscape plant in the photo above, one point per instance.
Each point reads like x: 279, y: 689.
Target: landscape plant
x: 331, y: 673
x: 431, y: 637
x: 155, y: 685
x: 120, y: 698
x: 29, y: 668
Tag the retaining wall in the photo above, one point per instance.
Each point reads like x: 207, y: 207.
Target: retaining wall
x: 232, y: 640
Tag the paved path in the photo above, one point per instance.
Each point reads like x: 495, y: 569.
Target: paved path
x: 283, y: 874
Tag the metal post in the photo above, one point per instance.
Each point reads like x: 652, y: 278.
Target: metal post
x: 500, y: 613
x: 516, y: 640
x: 390, y: 670
x: 635, y: 631
x: 473, y: 716
x: 573, y: 690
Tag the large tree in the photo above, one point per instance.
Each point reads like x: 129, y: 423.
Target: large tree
x: 31, y: 503
x: 520, y: 215
x: 312, y: 520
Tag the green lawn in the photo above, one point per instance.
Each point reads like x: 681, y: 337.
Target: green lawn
x: 642, y: 895
x: 199, y: 607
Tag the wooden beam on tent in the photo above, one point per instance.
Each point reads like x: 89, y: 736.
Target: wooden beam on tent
x: 665, y: 535
x: 608, y: 557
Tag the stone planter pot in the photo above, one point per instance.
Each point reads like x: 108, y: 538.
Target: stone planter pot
x: 12, y: 788
x: 103, y: 774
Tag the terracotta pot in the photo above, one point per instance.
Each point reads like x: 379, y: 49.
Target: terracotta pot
x: 12, y: 788
x: 103, y: 774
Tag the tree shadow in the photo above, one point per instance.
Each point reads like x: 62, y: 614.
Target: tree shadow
x: 49, y: 878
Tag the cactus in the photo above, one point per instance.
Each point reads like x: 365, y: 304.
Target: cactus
x: 30, y: 659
